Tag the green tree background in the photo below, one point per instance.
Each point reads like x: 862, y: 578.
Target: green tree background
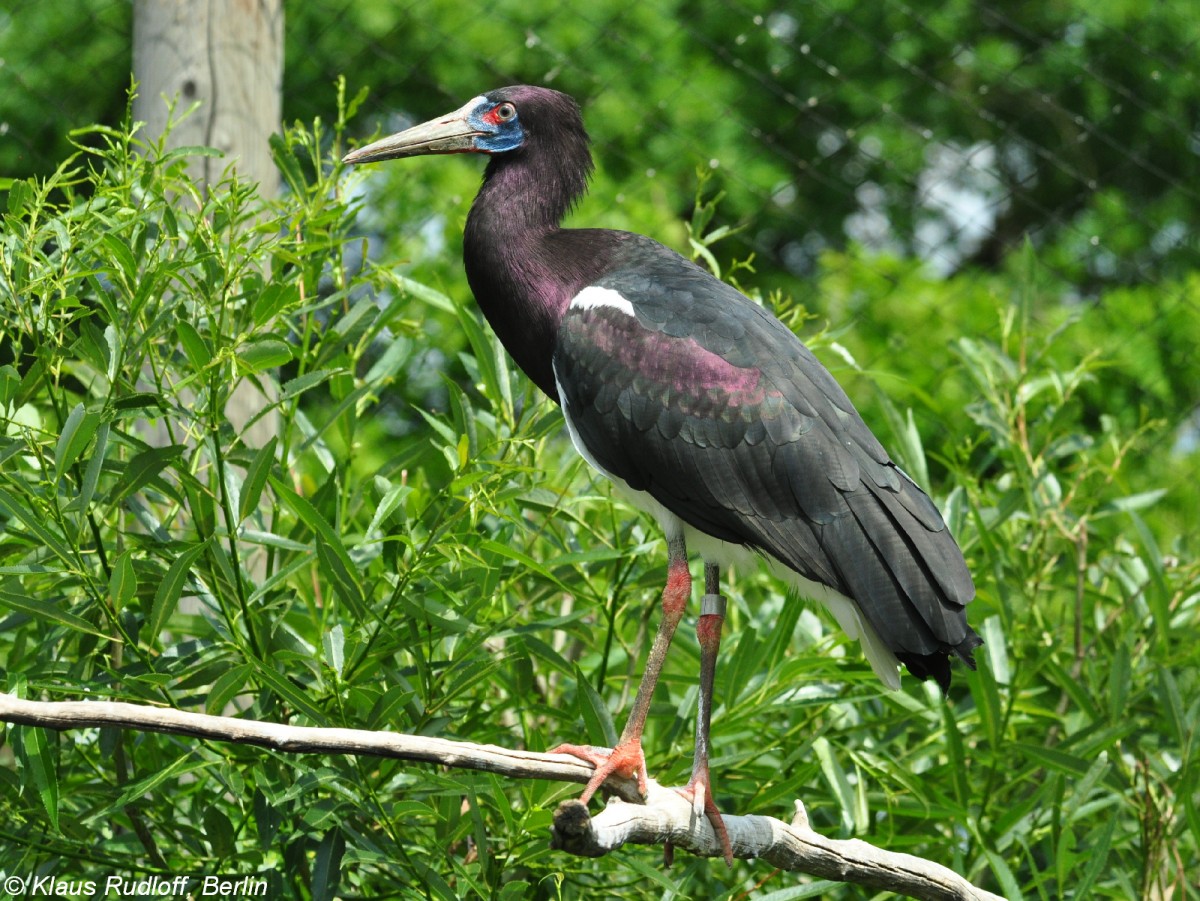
x: 983, y: 217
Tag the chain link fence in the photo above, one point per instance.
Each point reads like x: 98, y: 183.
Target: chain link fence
x: 844, y: 135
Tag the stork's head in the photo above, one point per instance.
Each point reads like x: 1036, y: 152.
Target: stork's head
x: 496, y: 122
x: 537, y: 149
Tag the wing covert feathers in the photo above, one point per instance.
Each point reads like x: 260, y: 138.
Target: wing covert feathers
x: 715, y: 409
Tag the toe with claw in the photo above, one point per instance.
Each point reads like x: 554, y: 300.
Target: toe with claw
x: 699, y: 792
x: 625, y: 760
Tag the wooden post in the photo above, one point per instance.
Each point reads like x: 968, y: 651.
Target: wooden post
x: 228, y: 55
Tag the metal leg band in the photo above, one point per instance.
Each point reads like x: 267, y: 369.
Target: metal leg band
x: 712, y: 605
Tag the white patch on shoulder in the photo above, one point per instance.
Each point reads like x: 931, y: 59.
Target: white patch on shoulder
x: 594, y: 296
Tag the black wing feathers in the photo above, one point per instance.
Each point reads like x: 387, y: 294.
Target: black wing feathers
x: 708, y: 403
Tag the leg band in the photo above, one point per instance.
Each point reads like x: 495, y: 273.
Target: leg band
x: 712, y: 605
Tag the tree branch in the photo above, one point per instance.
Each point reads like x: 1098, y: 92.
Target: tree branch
x: 664, y: 817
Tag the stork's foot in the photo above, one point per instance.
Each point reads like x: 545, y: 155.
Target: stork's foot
x: 699, y: 792
x: 625, y: 760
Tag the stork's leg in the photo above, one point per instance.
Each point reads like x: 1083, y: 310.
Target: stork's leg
x: 627, y: 759
x: 708, y: 632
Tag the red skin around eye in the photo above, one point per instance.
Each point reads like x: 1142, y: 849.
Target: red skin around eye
x: 491, y: 117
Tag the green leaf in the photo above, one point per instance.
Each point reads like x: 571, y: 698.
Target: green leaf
x: 392, y: 498
x: 1082, y: 790
x: 1189, y: 792
x: 596, y: 716
x: 20, y: 196
x: 195, y: 348
x: 137, y: 789
x: 434, y: 885
x: 1097, y: 857
x: 256, y: 478
x: 122, y: 582
x: 997, y: 649
x: 311, y: 517
x: 835, y: 775
x: 76, y: 432
x: 10, y: 383
x: 9, y: 448
x: 1119, y: 680
x: 327, y: 869
x: 15, y: 509
x: 91, y: 475
x: 267, y: 820
x: 189, y: 151
x: 528, y: 563
x: 1132, y: 502
x: 226, y: 687
x: 289, y: 692
x: 743, y: 664
x: 288, y: 165
x: 654, y: 874
x: 333, y: 566
x: 274, y: 296
x: 264, y: 353
x: 1008, y: 882
x: 989, y: 703
x: 218, y: 830
x: 1171, y: 703
x: 169, y: 590
x: 48, y: 610
x: 1054, y: 759
x: 423, y: 292
x: 481, y: 347
x: 119, y: 252
x: 113, y: 344
x: 145, y: 468
x: 515, y: 890
x: 958, y: 762
x: 912, y: 451
x: 390, y: 362
x: 39, y: 762
x: 1065, y: 855
x: 816, y: 889
x: 1157, y: 593
x: 334, y: 644
x: 136, y: 401
x: 302, y: 383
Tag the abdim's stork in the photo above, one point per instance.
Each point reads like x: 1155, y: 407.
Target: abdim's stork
x: 701, y: 407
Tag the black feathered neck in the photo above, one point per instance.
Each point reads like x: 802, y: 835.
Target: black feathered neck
x: 522, y: 267
x: 537, y: 184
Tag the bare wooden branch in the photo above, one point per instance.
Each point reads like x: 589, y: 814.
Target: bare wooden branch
x: 665, y: 817
x: 302, y: 739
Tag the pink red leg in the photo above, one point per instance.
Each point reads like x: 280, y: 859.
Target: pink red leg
x: 627, y: 759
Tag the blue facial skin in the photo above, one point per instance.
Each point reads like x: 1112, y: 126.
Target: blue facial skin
x: 497, y: 137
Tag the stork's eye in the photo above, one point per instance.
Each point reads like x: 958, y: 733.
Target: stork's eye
x: 505, y: 111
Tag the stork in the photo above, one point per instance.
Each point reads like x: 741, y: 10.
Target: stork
x: 702, y: 408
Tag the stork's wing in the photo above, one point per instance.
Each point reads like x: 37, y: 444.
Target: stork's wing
x: 683, y: 388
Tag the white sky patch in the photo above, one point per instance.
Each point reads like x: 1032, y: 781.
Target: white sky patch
x: 593, y: 297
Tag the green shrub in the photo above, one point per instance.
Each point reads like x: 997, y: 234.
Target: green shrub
x: 422, y: 552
